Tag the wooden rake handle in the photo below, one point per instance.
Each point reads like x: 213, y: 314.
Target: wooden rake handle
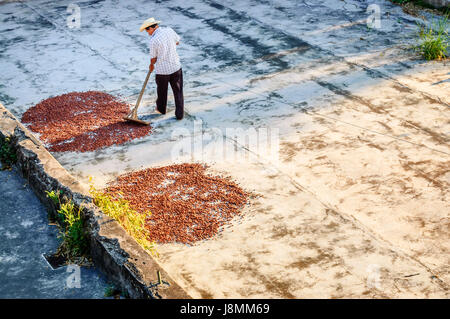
x: 133, y: 113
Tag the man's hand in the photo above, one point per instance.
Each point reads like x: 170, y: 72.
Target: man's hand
x: 152, y: 64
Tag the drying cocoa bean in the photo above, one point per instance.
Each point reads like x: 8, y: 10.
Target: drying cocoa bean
x: 186, y: 203
x: 82, y: 122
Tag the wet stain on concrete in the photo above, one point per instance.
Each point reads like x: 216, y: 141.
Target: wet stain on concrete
x: 431, y: 177
x: 204, y: 293
x: 306, y: 262
x: 274, y: 285
x: 337, y: 90
x: 438, y: 137
x: 282, y: 231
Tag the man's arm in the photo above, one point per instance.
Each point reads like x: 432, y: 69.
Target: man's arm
x: 152, y: 64
x: 176, y: 36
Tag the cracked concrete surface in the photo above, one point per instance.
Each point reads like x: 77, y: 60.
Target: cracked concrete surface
x: 356, y: 205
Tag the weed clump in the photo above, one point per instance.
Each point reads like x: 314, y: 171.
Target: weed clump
x: 131, y: 220
x: 434, y: 40
x: 75, y: 245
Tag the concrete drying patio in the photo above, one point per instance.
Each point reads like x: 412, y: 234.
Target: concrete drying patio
x: 357, y: 202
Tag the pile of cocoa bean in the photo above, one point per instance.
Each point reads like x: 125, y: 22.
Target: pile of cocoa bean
x: 186, y: 203
x: 82, y: 122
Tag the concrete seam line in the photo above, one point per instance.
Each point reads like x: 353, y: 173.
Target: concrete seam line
x: 113, y: 250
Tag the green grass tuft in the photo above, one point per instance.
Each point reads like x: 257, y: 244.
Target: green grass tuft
x: 132, y: 221
x: 434, y: 40
x: 75, y: 243
x: 74, y: 240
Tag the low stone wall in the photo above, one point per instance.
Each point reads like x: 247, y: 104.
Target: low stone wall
x: 113, y: 251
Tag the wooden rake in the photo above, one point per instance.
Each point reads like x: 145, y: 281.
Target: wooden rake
x: 132, y: 116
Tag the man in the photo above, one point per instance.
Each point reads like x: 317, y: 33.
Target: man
x: 166, y: 62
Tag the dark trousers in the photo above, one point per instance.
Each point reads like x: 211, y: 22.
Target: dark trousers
x: 176, y: 82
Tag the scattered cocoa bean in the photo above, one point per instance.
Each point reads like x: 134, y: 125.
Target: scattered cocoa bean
x: 186, y: 204
x: 82, y: 122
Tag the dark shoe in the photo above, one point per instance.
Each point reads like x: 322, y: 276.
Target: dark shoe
x: 178, y: 115
x: 158, y: 111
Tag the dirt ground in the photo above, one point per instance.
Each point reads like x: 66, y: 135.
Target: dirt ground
x: 353, y: 198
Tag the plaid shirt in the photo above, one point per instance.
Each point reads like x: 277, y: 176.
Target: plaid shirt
x: 163, y: 47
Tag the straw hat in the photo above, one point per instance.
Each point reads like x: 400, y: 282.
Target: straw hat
x: 147, y: 23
